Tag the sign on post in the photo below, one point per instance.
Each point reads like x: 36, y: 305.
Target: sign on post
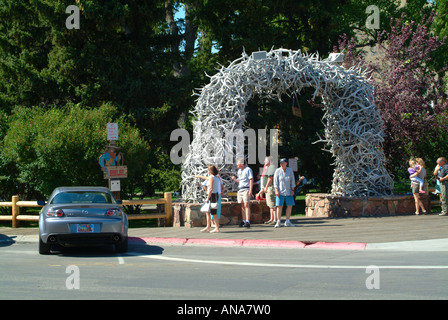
x: 292, y: 163
x: 112, y: 131
x: 114, y: 185
x: 115, y: 172
x: 111, y: 161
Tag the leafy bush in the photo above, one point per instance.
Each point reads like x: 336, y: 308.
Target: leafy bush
x: 161, y: 174
x: 44, y: 149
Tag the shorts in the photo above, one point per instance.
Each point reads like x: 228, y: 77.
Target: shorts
x: 270, y: 197
x: 243, y: 196
x: 214, y: 199
x: 415, y: 186
x: 280, y: 200
x: 218, y: 212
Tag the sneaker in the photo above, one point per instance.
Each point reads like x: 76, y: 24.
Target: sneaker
x: 277, y: 224
x: 442, y: 214
x: 241, y: 223
x: 247, y: 224
x: 288, y: 224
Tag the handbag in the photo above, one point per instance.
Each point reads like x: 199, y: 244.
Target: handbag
x: 208, y: 205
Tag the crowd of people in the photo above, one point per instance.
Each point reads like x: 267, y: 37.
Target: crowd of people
x: 417, y: 175
x: 279, y: 187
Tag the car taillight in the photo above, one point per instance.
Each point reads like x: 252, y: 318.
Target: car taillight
x: 55, y: 213
x: 114, y: 212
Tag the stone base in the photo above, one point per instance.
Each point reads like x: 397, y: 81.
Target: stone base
x: 326, y: 205
x: 189, y: 214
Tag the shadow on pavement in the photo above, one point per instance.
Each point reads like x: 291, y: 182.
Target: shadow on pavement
x: 106, y: 251
x: 6, y: 241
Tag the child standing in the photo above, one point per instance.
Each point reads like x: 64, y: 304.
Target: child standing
x: 414, y: 169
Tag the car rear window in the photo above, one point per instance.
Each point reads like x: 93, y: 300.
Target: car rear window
x: 82, y: 197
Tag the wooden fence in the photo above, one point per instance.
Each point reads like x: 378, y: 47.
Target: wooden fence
x: 15, y: 205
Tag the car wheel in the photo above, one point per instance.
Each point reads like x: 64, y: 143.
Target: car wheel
x: 44, y: 248
x: 122, y: 247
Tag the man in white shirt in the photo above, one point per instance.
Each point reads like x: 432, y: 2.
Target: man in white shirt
x: 245, y: 186
x: 284, y: 191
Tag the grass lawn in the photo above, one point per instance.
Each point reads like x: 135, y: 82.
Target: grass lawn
x: 299, y: 208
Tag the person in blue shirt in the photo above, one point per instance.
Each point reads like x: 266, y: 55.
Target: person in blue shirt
x: 284, y: 184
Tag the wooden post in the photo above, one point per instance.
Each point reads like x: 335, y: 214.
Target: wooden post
x: 15, y: 211
x: 168, y: 208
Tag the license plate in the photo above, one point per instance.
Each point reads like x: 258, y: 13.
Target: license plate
x: 87, y: 227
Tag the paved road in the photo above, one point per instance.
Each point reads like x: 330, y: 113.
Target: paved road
x: 403, y: 257
x: 223, y: 273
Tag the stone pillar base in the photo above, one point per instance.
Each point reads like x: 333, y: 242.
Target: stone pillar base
x: 189, y: 214
x: 326, y: 205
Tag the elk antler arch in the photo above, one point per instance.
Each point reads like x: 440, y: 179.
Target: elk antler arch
x: 353, y: 125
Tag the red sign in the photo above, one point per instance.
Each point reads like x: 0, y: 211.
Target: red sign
x: 115, y: 172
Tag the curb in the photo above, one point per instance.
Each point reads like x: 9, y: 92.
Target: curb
x: 338, y: 245
x: 251, y: 243
x: 221, y: 242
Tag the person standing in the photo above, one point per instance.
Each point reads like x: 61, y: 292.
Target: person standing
x: 442, y: 175
x: 206, y: 184
x: 245, y: 186
x: 414, y: 174
x: 284, y: 191
x: 214, y: 184
x: 418, y: 179
x: 267, y: 187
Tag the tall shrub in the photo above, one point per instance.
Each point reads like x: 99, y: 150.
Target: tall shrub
x: 47, y: 148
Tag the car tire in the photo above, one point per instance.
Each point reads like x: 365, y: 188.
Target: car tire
x: 44, y: 248
x: 122, y: 247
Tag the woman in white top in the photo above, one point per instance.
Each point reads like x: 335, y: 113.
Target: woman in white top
x: 214, y: 187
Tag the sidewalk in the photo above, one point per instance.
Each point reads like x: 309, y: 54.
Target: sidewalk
x: 339, y: 233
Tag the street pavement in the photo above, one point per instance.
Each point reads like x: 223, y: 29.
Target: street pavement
x: 312, y: 262
x: 409, y: 232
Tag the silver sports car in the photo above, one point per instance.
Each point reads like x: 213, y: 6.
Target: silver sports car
x: 82, y: 216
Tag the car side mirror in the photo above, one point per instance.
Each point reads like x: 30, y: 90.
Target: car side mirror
x: 41, y: 202
x: 119, y: 201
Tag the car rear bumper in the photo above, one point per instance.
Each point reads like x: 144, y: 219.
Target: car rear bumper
x: 78, y: 239
x: 63, y: 231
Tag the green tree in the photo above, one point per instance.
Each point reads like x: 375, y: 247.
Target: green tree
x: 61, y: 146
x: 118, y: 55
x: 440, y: 56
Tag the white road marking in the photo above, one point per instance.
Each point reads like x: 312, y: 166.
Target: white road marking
x: 254, y: 264
x: 274, y: 265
